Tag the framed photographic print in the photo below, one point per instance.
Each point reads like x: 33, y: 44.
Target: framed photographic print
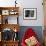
x: 5, y: 12
x: 30, y: 13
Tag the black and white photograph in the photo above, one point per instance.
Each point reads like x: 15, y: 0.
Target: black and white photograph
x: 30, y: 13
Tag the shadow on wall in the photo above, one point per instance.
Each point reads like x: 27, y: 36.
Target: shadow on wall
x: 37, y: 29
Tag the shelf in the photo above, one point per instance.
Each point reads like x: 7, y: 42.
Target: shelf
x: 9, y: 10
x: 11, y: 26
x: 11, y: 41
x: 7, y: 23
x: 5, y: 12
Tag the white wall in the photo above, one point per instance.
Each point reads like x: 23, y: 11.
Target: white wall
x: 27, y: 4
x: 7, y: 3
x: 32, y: 4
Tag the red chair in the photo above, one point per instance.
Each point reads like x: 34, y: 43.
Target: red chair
x: 29, y: 33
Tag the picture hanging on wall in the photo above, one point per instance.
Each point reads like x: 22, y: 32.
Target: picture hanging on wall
x: 30, y: 13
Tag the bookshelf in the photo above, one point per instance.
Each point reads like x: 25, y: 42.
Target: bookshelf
x: 5, y: 23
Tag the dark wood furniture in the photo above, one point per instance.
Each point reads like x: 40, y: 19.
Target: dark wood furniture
x: 4, y: 13
x: 8, y: 11
x: 10, y: 43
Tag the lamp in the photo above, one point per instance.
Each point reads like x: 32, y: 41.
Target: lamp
x: 15, y: 3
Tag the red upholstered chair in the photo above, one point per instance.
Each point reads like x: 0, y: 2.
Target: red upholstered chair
x: 29, y: 33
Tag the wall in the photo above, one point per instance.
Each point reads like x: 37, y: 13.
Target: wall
x: 44, y: 12
x: 6, y: 3
x: 27, y: 4
x: 32, y: 4
x: 37, y: 29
